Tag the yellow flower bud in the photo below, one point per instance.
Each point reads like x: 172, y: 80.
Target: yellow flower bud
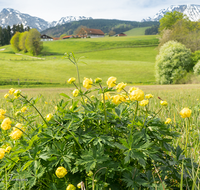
x: 49, y: 116
x: 2, y: 153
x: 111, y: 82
x: 132, y: 89
x: 17, y: 93
x: 24, y: 109
x: 2, y: 113
x: 8, y: 149
x: 120, y: 86
x: 71, y: 187
x: 168, y: 120
x: 163, y: 103
x: 71, y: 80
x: 11, y: 91
x: 148, y: 96
x: 6, y: 124
x: 144, y: 102
x: 6, y: 95
x: 97, y: 80
x: 185, y: 112
x: 116, y: 99
x: 87, y: 83
x: 61, y: 172
x: 75, y: 92
x: 79, y: 185
x: 16, y: 134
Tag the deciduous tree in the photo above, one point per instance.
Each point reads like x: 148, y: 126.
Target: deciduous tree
x: 15, y: 41
x: 33, y: 43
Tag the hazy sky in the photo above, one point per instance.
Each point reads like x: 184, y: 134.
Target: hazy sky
x: 134, y: 10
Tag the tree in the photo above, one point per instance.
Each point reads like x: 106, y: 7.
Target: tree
x: 170, y: 19
x: 33, y: 43
x: 173, y: 62
x: 22, y: 41
x: 111, y: 33
x: 15, y: 41
x: 81, y: 30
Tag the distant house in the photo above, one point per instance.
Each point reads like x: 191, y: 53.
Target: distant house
x: 121, y: 34
x: 92, y: 33
x: 44, y: 37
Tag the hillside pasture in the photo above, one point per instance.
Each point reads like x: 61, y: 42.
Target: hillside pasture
x: 131, y: 59
x: 136, y: 31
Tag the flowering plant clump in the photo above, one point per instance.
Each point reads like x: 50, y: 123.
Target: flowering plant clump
x: 108, y: 142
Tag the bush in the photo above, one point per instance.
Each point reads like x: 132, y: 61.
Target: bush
x: 172, y: 63
x: 197, y: 68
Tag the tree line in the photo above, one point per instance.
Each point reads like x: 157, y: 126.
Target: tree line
x: 27, y: 41
x: 7, y: 33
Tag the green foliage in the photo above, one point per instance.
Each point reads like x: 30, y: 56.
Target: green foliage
x: 33, y: 43
x: 15, y: 41
x: 197, y: 68
x: 104, y: 24
x: 152, y: 30
x: 22, y: 41
x: 169, y: 19
x: 105, y: 145
x: 172, y: 63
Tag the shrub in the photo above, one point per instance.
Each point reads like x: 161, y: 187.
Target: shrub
x: 172, y: 63
x: 197, y: 68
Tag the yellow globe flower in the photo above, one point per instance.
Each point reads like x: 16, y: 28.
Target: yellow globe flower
x: 16, y: 134
x: 111, y: 82
x: 6, y: 124
x: 131, y: 89
x: 137, y: 95
x: 8, y: 149
x: 148, y: 96
x: 2, y: 113
x: 168, y: 120
x: 163, y: 103
x: 79, y: 185
x: 6, y: 95
x: 75, y: 92
x: 87, y: 83
x: 24, y: 109
x: 116, y: 99
x: 17, y: 93
x: 49, y: 116
x: 120, y: 86
x: 71, y: 80
x: 71, y: 187
x: 11, y: 91
x: 185, y: 112
x: 56, y: 107
x: 17, y: 113
x: 144, y: 102
x: 61, y: 172
x: 2, y: 153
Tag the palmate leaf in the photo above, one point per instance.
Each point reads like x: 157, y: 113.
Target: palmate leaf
x: 91, y: 158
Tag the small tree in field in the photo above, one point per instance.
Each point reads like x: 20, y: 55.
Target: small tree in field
x: 33, y: 43
x: 172, y: 63
x: 22, y: 41
x: 15, y: 41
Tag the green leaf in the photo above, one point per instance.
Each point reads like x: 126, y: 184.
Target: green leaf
x: 27, y: 164
x: 65, y: 95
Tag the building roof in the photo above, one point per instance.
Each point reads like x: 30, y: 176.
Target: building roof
x: 94, y: 31
x: 65, y: 37
x: 46, y: 37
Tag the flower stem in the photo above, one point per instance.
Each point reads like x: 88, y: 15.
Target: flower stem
x: 104, y: 105
x: 136, y: 109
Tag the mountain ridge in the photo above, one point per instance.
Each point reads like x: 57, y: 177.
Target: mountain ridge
x: 190, y: 10
x: 9, y: 16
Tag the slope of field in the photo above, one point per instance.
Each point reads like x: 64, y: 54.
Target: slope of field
x: 136, y: 31
x: 130, y: 59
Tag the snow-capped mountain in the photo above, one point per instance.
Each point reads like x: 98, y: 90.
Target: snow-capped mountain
x: 192, y: 11
x: 10, y: 17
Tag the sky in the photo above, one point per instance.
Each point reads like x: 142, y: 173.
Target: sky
x: 132, y: 10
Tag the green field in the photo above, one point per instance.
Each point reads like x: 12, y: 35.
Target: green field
x: 130, y: 59
x: 136, y: 31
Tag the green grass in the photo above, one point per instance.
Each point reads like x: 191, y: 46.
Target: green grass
x: 105, y: 57
x: 136, y: 31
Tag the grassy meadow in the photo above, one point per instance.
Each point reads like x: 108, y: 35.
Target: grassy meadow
x: 136, y: 31
x: 131, y: 59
